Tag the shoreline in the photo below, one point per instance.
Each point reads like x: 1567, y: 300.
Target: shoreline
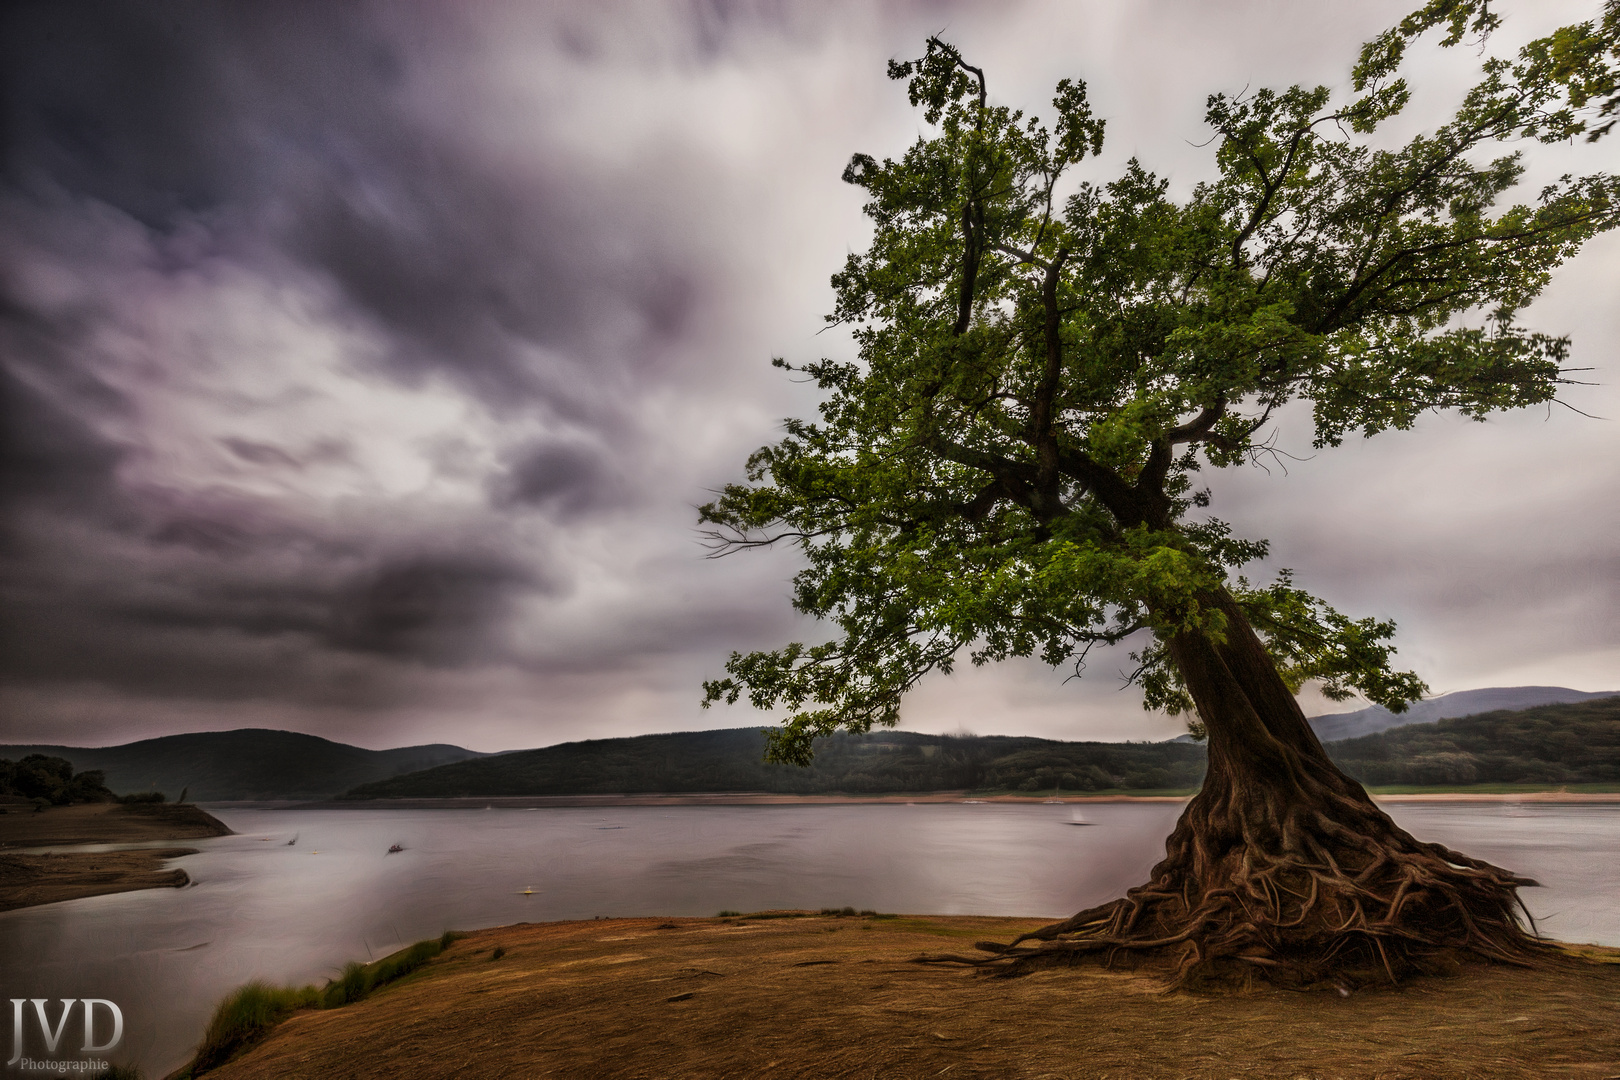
x: 30, y: 877
x: 760, y: 798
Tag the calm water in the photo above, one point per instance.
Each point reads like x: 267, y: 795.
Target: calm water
x: 261, y: 908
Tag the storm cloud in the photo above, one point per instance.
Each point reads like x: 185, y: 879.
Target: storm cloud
x: 361, y: 364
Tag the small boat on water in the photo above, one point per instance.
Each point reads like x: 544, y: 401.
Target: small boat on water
x: 293, y: 841
x: 395, y: 849
x: 1077, y: 819
x: 527, y: 891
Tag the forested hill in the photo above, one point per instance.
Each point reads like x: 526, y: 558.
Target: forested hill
x: 1353, y: 725
x: 1553, y: 744
x: 249, y: 763
x: 1550, y: 744
x: 730, y: 760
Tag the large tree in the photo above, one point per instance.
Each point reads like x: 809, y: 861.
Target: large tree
x: 1010, y: 467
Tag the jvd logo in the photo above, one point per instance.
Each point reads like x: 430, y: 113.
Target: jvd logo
x: 53, y: 1033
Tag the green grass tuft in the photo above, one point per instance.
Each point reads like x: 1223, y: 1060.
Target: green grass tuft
x: 245, y: 1016
x: 252, y: 1010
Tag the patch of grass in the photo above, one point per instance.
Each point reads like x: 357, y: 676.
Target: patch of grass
x: 358, y: 979
x: 729, y: 915
x: 923, y: 926
x: 500, y: 951
x: 244, y: 1017
x: 250, y: 1011
x: 838, y: 911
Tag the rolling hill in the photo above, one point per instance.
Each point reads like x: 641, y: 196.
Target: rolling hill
x: 250, y: 763
x: 1350, y: 725
x: 730, y: 760
x: 1551, y: 744
x: 1574, y: 742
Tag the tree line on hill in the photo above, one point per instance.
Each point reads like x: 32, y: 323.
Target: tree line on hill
x: 51, y: 781
x: 1554, y: 744
x: 732, y: 760
x: 1550, y: 744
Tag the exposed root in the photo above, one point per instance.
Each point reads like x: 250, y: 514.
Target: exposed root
x: 1297, y: 899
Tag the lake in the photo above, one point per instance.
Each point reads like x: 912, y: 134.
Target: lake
x: 261, y: 907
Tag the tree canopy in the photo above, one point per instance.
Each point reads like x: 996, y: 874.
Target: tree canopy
x: 1046, y: 362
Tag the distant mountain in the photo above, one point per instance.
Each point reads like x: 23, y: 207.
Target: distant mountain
x: 1552, y: 744
x: 250, y: 763
x: 1350, y: 725
x: 732, y: 760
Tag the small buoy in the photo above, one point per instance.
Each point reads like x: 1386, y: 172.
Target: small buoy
x: 527, y: 892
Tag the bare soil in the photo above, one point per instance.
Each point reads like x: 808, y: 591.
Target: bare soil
x: 825, y: 997
x: 26, y: 880
x: 29, y: 879
x: 106, y: 823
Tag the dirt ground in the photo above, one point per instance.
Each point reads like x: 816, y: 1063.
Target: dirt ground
x: 106, y: 823
x: 827, y: 997
x: 29, y: 879
x: 26, y: 880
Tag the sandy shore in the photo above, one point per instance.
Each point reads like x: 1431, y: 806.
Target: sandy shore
x: 26, y: 880
x: 29, y: 878
x: 760, y: 798
x: 822, y: 997
x: 106, y: 823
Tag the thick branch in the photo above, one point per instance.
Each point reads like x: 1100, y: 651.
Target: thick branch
x: 1042, y: 435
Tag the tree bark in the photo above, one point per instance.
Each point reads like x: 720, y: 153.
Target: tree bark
x: 1282, y: 866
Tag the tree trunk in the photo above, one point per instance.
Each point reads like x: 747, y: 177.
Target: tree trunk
x: 1282, y: 866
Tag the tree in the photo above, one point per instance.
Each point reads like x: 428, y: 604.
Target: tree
x: 1010, y: 467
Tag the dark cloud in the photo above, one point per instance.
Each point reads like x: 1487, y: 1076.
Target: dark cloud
x: 568, y: 477
x: 361, y: 364
x: 430, y: 609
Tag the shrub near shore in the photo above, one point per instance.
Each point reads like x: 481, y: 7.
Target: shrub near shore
x: 254, y: 1009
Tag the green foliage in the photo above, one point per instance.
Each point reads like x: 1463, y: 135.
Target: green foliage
x: 250, y: 1011
x: 358, y: 980
x: 52, y: 779
x: 1046, y: 364
x: 246, y: 1015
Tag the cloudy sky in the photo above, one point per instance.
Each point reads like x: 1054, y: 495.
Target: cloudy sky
x: 363, y: 364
